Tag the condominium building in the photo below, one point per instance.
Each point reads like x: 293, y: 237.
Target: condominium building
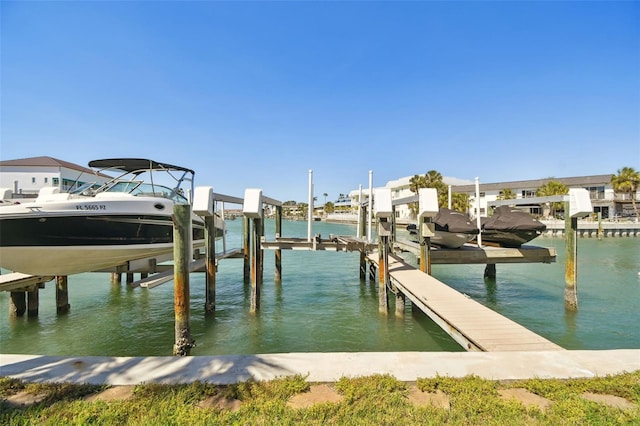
x: 23, y: 178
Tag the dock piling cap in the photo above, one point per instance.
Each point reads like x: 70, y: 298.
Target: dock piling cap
x: 427, y: 203
x: 579, y: 202
x: 203, y: 201
x: 252, y: 206
x: 382, y: 203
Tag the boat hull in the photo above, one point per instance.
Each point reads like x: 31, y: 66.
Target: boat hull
x: 510, y: 239
x: 451, y: 239
x: 54, y: 240
x: 69, y: 260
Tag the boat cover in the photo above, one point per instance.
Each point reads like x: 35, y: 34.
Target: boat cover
x: 507, y: 218
x: 134, y: 164
x: 453, y: 221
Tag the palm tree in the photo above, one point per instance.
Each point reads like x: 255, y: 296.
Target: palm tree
x: 325, y: 195
x: 627, y: 181
x: 551, y: 188
x: 507, y: 194
x: 433, y: 179
x: 460, y: 202
x: 417, y: 182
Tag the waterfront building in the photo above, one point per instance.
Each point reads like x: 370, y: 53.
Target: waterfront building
x: 25, y: 177
x: 603, y: 198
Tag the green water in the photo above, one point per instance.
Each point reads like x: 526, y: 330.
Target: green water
x: 322, y: 306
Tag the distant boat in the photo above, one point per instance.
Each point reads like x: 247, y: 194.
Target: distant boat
x: 98, y: 226
x: 452, y: 229
x: 510, y: 227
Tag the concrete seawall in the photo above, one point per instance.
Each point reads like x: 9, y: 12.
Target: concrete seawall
x: 555, y: 228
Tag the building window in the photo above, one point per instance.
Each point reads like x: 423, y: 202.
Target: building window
x: 46, y: 180
x: 596, y: 192
x: 55, y: 181
x: 528, y: 194
x: 481, y: 194
x: 33, y: 180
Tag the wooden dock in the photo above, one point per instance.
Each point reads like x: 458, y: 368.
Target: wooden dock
x: 317, y: 243
x: 472, y: 254
x: 17, y: 281
x: 471, y: 324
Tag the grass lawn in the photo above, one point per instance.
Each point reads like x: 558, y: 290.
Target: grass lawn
x: 373, y: 400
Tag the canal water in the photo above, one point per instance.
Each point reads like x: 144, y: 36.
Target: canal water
x: 322, y: 306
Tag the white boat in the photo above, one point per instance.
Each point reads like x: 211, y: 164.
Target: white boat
x: 99, y: 226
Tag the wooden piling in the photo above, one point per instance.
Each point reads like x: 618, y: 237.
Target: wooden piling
x: 278, y: 252
x: 383, y: 269
x: 116, y: 278
x: 363, y: 256
x: 425, y: 247
x: 490, y: 271
x: 400, y: 301
x: 33, y: 301
x: 62, y: 295
x: 210, y: 264
x: 181, y: 258
x: 256, y: 266
x: 246, y: 247
x: 571, y: 258
x: 18, y: 304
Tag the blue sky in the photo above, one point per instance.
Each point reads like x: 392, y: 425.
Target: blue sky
x: 254, y: 94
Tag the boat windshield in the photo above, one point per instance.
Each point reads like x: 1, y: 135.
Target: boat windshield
x: 141, y: 189
x: 88, y: 188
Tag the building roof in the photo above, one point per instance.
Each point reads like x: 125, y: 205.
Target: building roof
x: 44, y: 161
x: 406, y: 181
x: 581, y: 181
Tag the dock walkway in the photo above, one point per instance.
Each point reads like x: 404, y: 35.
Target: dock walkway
x: 473, y: 325
x: 17, y: 281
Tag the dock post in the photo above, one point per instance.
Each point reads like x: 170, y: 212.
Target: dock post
x: 571, y: 250
x: 129, y: 278
x: 383, y: 270
x: 384, y: 213
x: 490, y: 271
x: 392, y: 238
x: 33, y: 301
x: 256, y: 266
x: 246, y: 247
x: 400, y: 301
x: 278, y: 252
x: 116, y: 278
x: 181, y: 250
x: 361, y: 231
x: 18, y: 304
x: 425, y: 245
x: 427, y: 209
x: 210, y: 264
x: 62, y: 295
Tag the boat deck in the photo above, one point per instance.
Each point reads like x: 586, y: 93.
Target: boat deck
x: 471, y: 324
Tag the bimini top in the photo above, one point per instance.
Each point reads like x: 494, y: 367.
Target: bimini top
x: 134, y: 164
